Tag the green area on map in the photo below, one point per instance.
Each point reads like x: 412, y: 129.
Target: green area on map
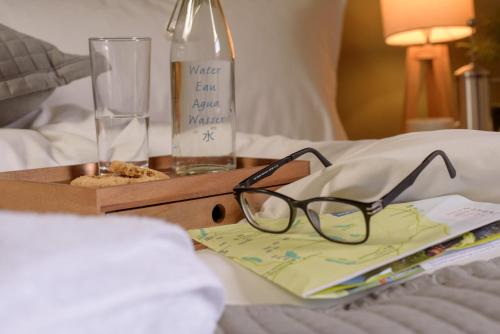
x: 304, y: 263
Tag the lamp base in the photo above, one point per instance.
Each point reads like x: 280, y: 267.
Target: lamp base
x: 434, y: 62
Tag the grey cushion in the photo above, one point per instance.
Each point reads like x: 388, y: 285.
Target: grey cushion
x: 30, y: 70
x: 462, y: 299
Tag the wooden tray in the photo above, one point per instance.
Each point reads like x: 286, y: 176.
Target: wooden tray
x: 190, y: 201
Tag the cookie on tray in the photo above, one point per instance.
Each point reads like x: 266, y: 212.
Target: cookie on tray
x: 130, y: 170
x: 123, y: 173
x: 98, y: 181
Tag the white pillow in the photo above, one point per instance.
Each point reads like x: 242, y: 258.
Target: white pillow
x: 286, y: 55
x: 286, y: 66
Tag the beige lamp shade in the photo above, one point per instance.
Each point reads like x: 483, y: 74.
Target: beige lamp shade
x: 413, y: 22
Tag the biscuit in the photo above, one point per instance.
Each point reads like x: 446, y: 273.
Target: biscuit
x: 129, y: 170
x: 98, y: 181
x: 124, y: 173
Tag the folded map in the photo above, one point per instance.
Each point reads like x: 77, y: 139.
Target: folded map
x: 309, y: 266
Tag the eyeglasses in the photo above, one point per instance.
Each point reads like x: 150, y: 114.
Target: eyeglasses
x: 336, y: 219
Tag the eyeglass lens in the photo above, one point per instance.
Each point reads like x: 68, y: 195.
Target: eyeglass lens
x: 338, y: 221
x: 267, y: 212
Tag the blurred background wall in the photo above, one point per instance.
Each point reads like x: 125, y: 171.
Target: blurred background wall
x: 371, y: 78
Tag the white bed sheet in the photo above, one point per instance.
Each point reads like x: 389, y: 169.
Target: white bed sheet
x: 362, y: 170
x: 65, y: 134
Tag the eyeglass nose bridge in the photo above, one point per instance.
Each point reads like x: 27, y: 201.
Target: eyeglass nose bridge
x: 293, y: 212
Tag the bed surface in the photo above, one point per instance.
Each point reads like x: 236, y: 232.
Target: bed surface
x: 361, y: 169
x: 453, y: 300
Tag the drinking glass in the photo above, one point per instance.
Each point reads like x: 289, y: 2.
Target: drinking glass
x: 120, y: 85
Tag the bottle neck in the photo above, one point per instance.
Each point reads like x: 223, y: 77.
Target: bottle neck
x: 181, y: 5
x: 200, y: 31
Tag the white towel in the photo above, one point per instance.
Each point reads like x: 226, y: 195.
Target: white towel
x: 70, y: 274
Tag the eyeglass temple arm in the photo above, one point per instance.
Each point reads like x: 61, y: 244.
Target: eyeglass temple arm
x: 410, y: 179
x: 269, y: 170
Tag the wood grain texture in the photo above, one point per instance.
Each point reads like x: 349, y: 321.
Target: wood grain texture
x: 187, y: 200
x: 63, y: 174
x: 434, y: 61
x: 189, y: 187
x: 193, y: 214
x: 47, y: 197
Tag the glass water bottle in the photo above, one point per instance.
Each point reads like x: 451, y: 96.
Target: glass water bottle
x: 202, y: 80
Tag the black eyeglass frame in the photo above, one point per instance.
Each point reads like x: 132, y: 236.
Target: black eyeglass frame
x: 368, y: 209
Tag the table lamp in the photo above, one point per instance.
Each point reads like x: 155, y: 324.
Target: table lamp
x: 423, y: 25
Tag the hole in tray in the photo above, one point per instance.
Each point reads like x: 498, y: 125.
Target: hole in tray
x: 218, y: 213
